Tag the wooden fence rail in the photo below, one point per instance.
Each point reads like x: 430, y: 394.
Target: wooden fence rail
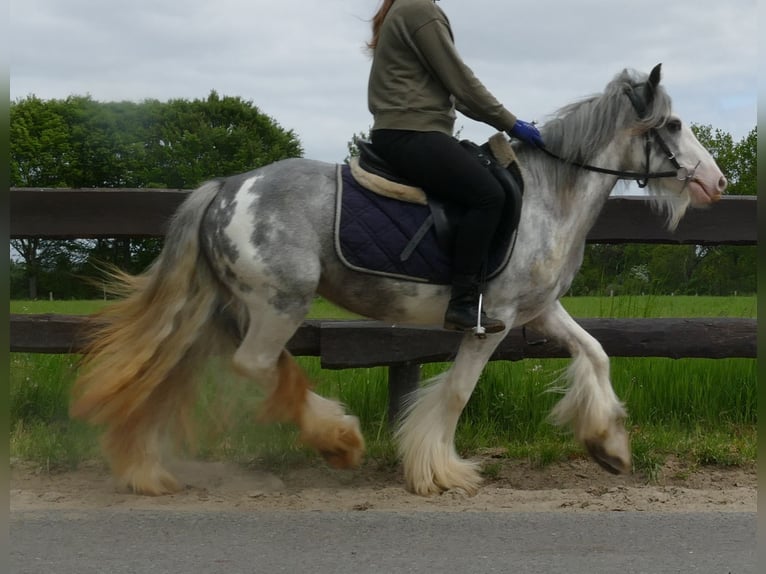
x: 68, y: 213
x: 80, y: 213
x: 344, y: 344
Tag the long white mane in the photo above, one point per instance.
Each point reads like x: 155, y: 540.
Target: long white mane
x: 578, y: 132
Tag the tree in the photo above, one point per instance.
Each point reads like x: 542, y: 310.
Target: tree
x: 724, y: 269
x: 40, y: 143
x: 353, y: 147
x: 737, y: 160
x: 189, y: 142
x: 79, y: 142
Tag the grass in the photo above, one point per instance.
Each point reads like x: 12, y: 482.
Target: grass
x: 621, y: 306
x: 699, y: 410
x: 41, y: 428
x: 644, y: 306
x: 61, y: 307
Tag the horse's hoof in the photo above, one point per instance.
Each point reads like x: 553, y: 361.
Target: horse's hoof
x: 460, y: 493
x: 614, y: 463
x: 425, y: 488
x: 150, y: 482
x: 461, y: 476
x: 347, y: 447
x: 343, y: 458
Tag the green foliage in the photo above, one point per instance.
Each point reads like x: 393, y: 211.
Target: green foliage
x: 79, y: 143
x: 737, y: 160
x: 40, y: 143
x: 189, y: 142
x: 353, y: 148
x: 667, y: 269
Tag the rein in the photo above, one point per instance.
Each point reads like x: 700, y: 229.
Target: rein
x: 652, y: 135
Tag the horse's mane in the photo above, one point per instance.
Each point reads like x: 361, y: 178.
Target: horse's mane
x: 579, y: 131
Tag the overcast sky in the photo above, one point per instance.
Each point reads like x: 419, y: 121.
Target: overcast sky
x: 303, y: 62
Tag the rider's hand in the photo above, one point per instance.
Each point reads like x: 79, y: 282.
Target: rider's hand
x: 527, y: 133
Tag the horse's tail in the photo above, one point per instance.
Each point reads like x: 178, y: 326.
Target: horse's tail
x: 145, y: 350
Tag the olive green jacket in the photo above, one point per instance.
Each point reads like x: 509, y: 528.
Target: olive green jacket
x: 418, y: 79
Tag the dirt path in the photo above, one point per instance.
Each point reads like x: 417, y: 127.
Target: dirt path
x: 514, y: 486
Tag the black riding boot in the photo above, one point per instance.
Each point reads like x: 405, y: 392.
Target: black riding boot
x: 463, y: 308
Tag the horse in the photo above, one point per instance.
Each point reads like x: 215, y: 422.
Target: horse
x: 245, y: 256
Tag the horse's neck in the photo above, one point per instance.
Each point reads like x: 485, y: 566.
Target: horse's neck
x: 587, y: 198
x: 578, y: 203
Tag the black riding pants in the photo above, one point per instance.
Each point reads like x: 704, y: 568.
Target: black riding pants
x: 447, y: 171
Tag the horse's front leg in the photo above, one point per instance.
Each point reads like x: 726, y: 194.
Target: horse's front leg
x: 426, y: 433
x: 590, y: 404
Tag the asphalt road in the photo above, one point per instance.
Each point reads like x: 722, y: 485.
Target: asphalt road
x: 117, y: 542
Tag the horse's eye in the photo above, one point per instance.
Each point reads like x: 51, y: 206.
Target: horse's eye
x: 674, y: 125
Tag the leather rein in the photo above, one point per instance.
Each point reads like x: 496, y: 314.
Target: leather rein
x: 652, y: 135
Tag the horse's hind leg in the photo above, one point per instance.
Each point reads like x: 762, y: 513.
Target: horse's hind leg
x: 590, y: 404
x: 323, y: 423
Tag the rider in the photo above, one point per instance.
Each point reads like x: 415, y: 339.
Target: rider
x: 417, y: 80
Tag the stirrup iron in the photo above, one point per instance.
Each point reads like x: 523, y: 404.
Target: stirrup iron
x: 479, y: 331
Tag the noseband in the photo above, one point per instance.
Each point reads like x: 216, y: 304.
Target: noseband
x: 652, y: 135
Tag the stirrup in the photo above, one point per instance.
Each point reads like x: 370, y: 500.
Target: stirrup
x: 479, y: 331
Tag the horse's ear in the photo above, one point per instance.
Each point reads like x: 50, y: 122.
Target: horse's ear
x: 651, y: 85
x: 654, y: 76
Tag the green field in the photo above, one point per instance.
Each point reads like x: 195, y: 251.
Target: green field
x: 623, y: 306
x: 703, y: 411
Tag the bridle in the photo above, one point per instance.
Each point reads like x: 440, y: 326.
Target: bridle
x: 650, y: 136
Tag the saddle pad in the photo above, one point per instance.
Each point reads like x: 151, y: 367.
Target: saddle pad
x: 372, y: 232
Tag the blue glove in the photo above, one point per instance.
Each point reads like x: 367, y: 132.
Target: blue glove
x: 527, y: 133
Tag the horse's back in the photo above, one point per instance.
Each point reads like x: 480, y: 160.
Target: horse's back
x: 286, y: 191
x: 286, y: 180
x: 272, y: 225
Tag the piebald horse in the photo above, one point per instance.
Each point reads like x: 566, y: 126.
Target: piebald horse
x: 245, y: 256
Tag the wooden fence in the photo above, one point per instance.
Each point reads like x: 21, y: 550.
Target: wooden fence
x: 138, y: 213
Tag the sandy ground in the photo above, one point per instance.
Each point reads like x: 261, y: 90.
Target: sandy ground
x: 575, y: 486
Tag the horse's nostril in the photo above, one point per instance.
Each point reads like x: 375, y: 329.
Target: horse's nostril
x: 722, y: 183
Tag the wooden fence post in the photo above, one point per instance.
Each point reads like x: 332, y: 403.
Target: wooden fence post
x: 403, y: 378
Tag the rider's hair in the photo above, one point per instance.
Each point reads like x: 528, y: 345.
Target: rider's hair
x: 377, y: 21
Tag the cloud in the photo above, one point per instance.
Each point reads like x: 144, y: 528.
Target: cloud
x: 304, y: 63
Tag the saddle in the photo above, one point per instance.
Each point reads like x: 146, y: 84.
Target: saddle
x: 424, y: 243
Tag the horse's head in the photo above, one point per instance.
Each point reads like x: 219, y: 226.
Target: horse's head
x: 679, y: 171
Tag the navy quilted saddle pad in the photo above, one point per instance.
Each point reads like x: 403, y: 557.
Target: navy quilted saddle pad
x: 373, y: 234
